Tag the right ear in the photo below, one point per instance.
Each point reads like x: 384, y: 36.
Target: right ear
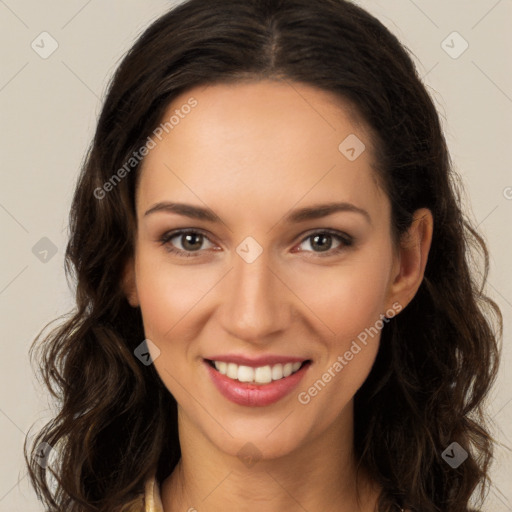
x: 129, y: 285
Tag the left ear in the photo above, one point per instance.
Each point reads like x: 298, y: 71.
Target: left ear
x: 412, y: 258
x: 128, y: 283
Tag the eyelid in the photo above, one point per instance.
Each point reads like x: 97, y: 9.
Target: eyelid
x: 328, y: 231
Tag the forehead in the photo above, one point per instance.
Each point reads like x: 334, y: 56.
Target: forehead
x: 275, y: 140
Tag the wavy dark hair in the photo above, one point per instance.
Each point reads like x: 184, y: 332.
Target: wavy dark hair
x: 438, y: 358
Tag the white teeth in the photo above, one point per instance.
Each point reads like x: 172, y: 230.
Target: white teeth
x: 277, y: 372
x: 232, y: 371
x: 263, y: 375
x: 221, y: 366
x: 260, y: 375
x: 245, y: 373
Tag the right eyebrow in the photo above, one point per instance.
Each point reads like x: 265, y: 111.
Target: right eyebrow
x: 187, y: 210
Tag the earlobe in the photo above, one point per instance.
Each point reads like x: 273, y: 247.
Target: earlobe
x: 412, y: 259
x: 129, y: 285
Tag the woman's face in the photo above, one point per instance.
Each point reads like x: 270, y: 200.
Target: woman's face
x: 288, y: 258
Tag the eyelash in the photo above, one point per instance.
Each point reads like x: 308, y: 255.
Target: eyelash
x: 344, y: 239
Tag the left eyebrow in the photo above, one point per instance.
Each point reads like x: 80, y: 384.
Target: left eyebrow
x: 323, y: 210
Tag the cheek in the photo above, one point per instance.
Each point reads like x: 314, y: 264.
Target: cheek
x: 349, y: 297
x: 350, y: 352
x: 166, y: 296
x: 168, y: 293
x: 349, y: 300
x: 172, y: 300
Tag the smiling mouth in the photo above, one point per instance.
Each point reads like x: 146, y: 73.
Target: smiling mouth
x: 257, y: 375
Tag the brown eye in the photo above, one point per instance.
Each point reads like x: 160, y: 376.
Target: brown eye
x: 322, y: 242
x: 191, y: 241
x: 185, y: 242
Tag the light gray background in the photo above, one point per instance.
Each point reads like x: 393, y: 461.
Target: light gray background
x: 49, y: 108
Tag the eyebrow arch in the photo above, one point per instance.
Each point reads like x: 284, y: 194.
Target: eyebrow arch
x: 187, y: 210
x: 300, y: 215
x: 323, y: 210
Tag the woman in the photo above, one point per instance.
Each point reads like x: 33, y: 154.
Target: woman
x: 275, y: 308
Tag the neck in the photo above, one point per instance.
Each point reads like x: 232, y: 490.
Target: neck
x: 318, y: 476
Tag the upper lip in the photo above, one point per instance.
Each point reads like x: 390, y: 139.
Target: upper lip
x: 256, y: 362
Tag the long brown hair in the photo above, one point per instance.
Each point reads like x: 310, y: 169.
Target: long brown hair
x: 437, y: 358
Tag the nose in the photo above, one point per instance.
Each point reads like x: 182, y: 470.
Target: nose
x: 256, y: 305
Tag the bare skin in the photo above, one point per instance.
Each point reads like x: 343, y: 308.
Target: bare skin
x: 253, y: 153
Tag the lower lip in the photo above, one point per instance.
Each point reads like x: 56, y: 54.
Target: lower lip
x: 255, y: 395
